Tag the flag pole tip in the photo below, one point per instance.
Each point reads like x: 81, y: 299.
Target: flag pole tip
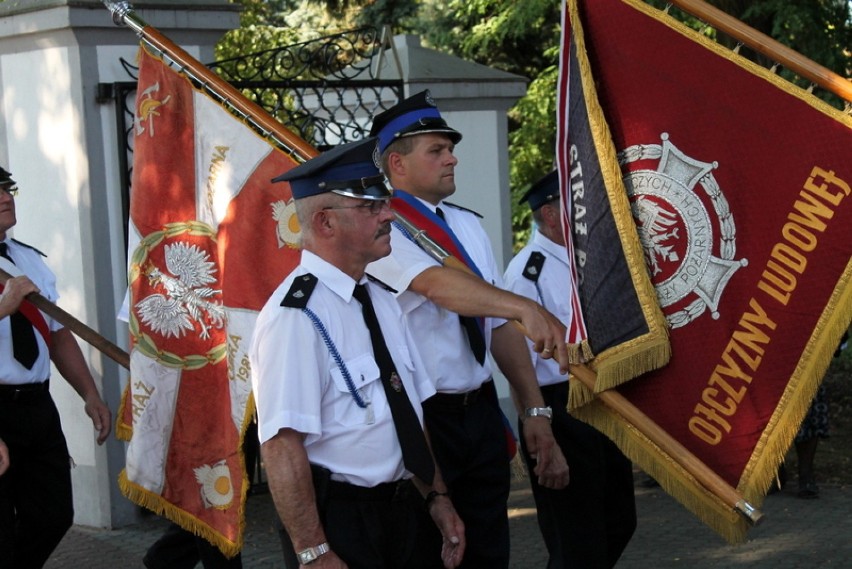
x: 119, y: 10
x: 749, y: 512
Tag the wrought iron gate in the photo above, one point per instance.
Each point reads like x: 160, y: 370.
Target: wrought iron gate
x: 325, y: 90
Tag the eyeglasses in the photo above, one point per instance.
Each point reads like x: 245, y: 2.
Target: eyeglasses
x: 372, y: 207
x: 13, y: 191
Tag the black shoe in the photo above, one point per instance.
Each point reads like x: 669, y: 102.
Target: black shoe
x: 808, y: 490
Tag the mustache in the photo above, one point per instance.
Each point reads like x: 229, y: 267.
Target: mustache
x: 384, y: 229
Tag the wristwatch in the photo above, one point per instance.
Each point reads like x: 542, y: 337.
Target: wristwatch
x: 311, y: 554
x: 539, y: 412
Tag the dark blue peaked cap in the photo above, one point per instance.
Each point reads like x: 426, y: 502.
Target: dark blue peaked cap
x: 348, y: 169
x: 543, y: 191
x: 417, y: 114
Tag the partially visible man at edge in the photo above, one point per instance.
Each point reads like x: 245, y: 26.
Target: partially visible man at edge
x: 456, y: 317
x: 36, y: 506
x: 328, y: 398
x: 588, y: 523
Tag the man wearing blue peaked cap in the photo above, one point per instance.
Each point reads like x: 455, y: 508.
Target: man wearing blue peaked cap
x: 461, y: 316
x: 339, y: 383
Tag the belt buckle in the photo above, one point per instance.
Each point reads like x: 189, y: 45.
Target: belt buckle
x: 16, y: 393
x: 470, y: 397
x: 400, y: 491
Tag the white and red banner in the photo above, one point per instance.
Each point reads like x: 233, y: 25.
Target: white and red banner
x: 210, y: 238
x: 738, y: 185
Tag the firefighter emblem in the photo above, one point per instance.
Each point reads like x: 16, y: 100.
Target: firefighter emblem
x: 686, y: 229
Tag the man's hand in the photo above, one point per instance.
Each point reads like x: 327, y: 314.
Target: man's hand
x: 547, y: 334
x: 4, y: 457
x: 551, y: 468
x: 98, y: 411
x: 452, y: 530
x: 17, y: 288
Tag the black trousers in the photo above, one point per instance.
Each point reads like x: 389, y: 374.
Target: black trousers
x: 36, y: 506
x: 469, y: 443
x: 385, y: 527
x: 181, y: 549
x: 587, y: 524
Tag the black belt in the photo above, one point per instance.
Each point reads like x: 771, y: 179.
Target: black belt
x: 387, y: 492
x: 453, y: 401
x: 24, y: 391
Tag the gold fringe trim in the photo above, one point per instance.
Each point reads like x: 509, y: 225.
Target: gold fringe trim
x: 631, y: 359
x: 518, y: 466
x: 157, y: 504
x: 578, y: 394
x: 580, y: 353
x: 676, y: 481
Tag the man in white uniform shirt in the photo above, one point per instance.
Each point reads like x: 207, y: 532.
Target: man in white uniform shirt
x: 589, y: 522
x: 36, y: 507
x: 456, y: 317
x: 333, y: 447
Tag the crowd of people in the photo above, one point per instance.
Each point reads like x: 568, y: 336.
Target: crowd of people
x: 372, y: 344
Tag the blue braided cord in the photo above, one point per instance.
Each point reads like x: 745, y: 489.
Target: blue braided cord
x: 403, y: 230
x: 540, y: 296
x: 336, y: 355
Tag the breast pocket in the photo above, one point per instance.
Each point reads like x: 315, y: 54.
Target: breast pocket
x: 364, y: 374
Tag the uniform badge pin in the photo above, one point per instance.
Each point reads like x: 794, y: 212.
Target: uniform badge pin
x: 396, y: 382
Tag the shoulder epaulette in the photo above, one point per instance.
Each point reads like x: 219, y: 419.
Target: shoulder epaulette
x: 29, y: 247
x: 385, y: 286
x: 462, y: 208
x: 300, y: 291
x: 532, y: 270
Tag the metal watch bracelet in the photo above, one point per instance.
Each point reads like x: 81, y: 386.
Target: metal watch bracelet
x: 311, y: 554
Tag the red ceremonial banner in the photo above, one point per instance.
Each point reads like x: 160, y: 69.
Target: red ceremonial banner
x: 738, y: 184
x: 211, y: 237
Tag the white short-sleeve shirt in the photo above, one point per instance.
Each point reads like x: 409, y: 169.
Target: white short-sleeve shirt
x: 299, y: 385
x: 450, y: 361
x: 553, y: 282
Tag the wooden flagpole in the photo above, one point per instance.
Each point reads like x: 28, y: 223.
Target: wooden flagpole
x: 789, y: 58
x: 80, y: 329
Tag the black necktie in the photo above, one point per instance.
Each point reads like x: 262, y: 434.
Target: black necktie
x: 24, y: 345
x: 471, y: 326
x: 415, y: 452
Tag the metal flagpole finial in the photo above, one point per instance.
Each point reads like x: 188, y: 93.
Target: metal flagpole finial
x: 120, y: 10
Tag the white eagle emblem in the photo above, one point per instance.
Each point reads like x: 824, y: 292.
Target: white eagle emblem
x: 657, y: 227
x: 187, y: 296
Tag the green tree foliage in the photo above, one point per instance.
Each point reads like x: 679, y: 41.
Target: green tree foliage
x: 522, y: 37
